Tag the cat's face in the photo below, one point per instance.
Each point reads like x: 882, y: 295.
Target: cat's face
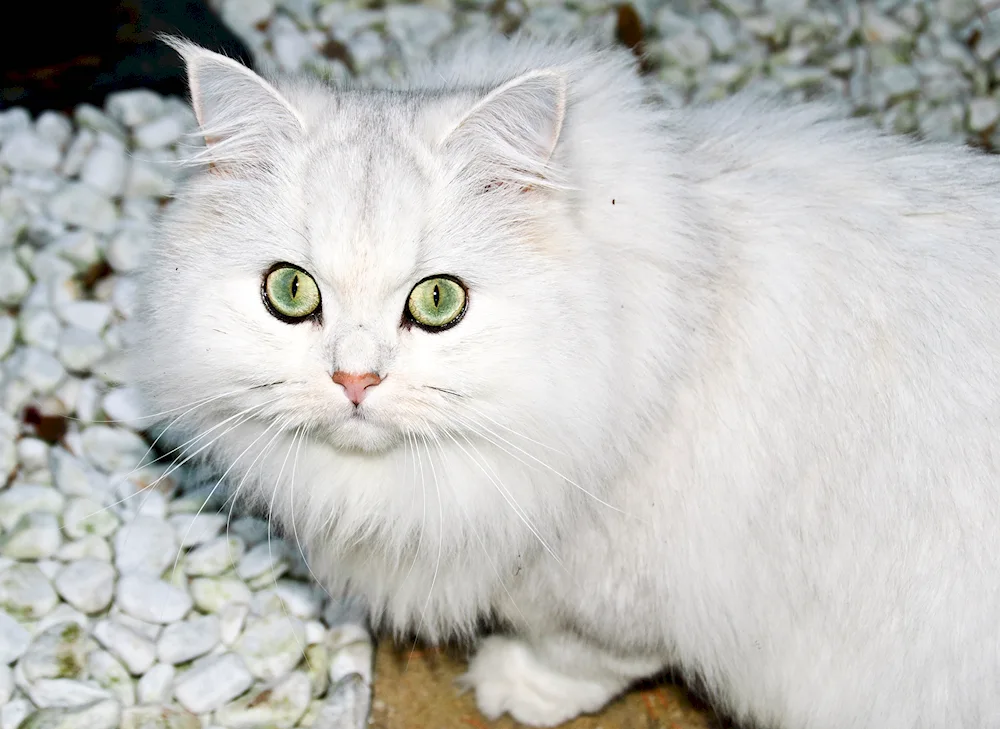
x: 362, y: 284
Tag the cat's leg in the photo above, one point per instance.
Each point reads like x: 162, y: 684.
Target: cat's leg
x: 544, y: 682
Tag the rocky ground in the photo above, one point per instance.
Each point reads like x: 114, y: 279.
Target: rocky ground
x: 127, y: 598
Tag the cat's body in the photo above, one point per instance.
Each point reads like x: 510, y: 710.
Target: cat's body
x: 725, y: 397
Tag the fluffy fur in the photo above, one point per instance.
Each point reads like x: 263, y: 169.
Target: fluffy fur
x: 725, y: 398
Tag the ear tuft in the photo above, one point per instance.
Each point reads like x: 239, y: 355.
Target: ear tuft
x: 516, y: 127
x: 240, y: 114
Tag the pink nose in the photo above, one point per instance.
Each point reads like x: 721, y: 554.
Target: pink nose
x: 356, y: 385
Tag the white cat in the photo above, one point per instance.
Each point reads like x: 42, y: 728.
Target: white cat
x: 712, y: 389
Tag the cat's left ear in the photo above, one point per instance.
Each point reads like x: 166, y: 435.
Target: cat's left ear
x: 516, y: 127
x: 241, y: 115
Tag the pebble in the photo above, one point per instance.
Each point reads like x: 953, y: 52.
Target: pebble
x: 89, y: 547
x: 112, y: 449
x: 159, y: 717
x: 155, y: 601
x: 18, y: 501
x: 134, y: 107
x: 35, y: 536
x: 155, y: 685
x: 281, y: 706
x: 104, y: 714
x: 264, y: 560
x: 272, y: 646
x: 189, y: 639
x: 81, y: 205
x: 25, y: 591
x: 40, y: 328
x: 64, y: 693
x: 145, y: 545
x: 123, y: 405
x: 59, y: 651
x: 105, y: 167
x: 196, y: 529
x: 136, y: 652
x: 37, y: 368
x: 89, y: 316
x: 6, y: 684
x: 14, y: 282
x: 14, y: 639
x: 85, y: 517
x: 127, y: 249
x: 30, y: 152
x: 212, y: 682
x: 71, y: 476
x: 232, y: 618
x: 13, y: 713
x: 54, y: 127
x: 211, y: 594
x: 110, y: 674
x: 160, y: 132
x: 214, y: 556
x: 80, y: 349
x: 88, y: 585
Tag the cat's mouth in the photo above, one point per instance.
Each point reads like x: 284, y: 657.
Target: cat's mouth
x: 360, y: 430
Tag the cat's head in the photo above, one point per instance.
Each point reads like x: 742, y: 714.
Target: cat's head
x: 370, y: 269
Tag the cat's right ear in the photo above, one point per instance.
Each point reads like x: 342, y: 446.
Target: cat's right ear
x: 241, y: 116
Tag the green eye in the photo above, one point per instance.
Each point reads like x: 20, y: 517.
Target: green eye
x: 290, y: 293
x: 437, y: 303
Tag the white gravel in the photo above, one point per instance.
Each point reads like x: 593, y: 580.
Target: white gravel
x: 131, y: 605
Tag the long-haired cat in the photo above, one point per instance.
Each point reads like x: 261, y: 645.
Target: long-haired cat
x: 715, y: 389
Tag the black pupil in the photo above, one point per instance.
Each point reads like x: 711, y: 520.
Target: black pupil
x: 437, y: 295
x: 295, y: 286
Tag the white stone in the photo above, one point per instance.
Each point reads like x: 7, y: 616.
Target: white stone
x: 79, y: 350
x: 29, y: 151
x: 136, y: 652
x: 70, y: 474
x: 211, y: 594
x: 160, y: 132
x: 214, y: 556
x: 155, y: 601
x: 54, y: 127
x: 14, y: 282
x: 113, y: 449
x: 124, y: 405
x: 189, y: 639
x: 150, y: 631
x: 87, y: 585
x: 81, y: 205
x: 14, y: 120
x: 124, y: 296
x: 8, y: 330
x: 154, y: 686
x: 89, y: 316
x: 90, y: 117
x: 104, y: 714
x: 61, y: 615
x: 6, y: 683
x: 195, y: 529
x: 64, y: 693
x: 13, y: 713
x: 37, y: 368
x: 59, y: 651
x: 419, y: 27
x: 246, y: 12
x: 90, y: 547
x: 110, y: 674
x: 127, y: 249
x: 19, y: 500
x: 212, y: 682
x: 281, y: 706
x: 301, y: 599
x: 77, y: 153
x: 983, y: 113
x: 232, y: 618
x: 14, y: 639
x: 35, y: 536
x: 149, y: 178
x: 33, y: 453
x: 266, y: 558
x: 272, y: 646
x: 145, y: 545
x: 40, y: 328
x: 84, y: 517
x: 161, y: 717
x: 106, y: 166
x: 134, y: 107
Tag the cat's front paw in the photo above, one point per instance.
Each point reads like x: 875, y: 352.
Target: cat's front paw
x: 508, y: 678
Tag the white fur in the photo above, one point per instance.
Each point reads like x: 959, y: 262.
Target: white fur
x: 729, y: 394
